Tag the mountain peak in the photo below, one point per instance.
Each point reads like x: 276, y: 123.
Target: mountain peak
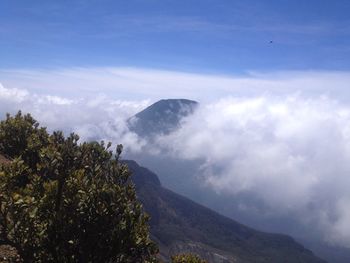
x: 162, y: 117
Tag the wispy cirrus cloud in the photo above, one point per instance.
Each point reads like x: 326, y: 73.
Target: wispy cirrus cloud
x: 140, y: 83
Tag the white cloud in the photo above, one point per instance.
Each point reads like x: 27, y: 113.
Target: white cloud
x: 99, y: 118
x: 282, y: 136
x: 140, y: 84
x: 15, y: 95
x: 292, y: 153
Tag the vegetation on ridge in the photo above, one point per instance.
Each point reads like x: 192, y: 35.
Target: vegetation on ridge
x: 65, y: 201
x: 186, y: 258
x: 61, y: 201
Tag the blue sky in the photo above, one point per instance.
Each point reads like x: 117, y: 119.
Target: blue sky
x: 216, y: 36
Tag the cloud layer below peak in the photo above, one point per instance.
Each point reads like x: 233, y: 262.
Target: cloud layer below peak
x: 291, y: 153
x: 283, y: 137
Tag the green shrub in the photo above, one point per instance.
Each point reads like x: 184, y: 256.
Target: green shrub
x: 187, y: 258
x: 61, y: 201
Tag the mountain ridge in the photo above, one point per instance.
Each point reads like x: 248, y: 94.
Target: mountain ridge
x: 179, y: 224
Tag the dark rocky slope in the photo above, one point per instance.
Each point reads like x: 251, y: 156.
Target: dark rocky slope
x: 181, y: 225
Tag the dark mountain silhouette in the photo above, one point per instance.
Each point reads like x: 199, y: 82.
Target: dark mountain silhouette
x: 181, y: 225
x: 161, y: 117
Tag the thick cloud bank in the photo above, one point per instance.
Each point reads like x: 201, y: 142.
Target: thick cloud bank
x: 291, y: 152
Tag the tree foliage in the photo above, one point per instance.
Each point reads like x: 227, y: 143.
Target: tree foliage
x: 187, y: 258
x: 62, y: 201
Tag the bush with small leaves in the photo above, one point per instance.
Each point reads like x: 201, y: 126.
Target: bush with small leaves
x: 187, y: 258
x: 61, y: 201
